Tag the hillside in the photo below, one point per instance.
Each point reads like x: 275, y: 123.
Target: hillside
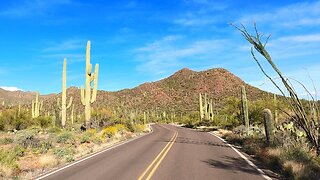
x: 178, y: 92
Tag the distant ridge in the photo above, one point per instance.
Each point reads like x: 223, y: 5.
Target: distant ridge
x: 178, y: 92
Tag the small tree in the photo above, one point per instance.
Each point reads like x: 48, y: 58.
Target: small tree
x: 309, y: 125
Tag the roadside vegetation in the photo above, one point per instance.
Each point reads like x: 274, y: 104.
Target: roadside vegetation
x: 33, y: 146
x: 282, y: 131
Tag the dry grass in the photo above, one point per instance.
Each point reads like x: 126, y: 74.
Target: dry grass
x: 296, y: 168
x: 48, y: 161
x: 5, y: 171
x: 28, y: 163
x: 276, y: 152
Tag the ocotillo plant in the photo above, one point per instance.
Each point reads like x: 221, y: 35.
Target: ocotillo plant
x: 86, y: 96
x: 35, y: 107
x: 64, y: 106
x: 267, y: 116
x: 244, y: 107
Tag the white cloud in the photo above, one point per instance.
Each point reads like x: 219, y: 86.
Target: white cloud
x: 290, y: 16
x: 10, y: 88
x: 172, y: 52
x: 301, y: 38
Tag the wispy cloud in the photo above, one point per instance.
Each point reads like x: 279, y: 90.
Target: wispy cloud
x: 301, y: 38
x: 10, y: 88
x: 29, y: 8
x: 72, y: 44
x: 290, y: 16
x: 171, y: 52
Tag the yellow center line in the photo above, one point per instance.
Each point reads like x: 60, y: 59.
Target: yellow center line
x: 144, y: 173
x: 164, y: 155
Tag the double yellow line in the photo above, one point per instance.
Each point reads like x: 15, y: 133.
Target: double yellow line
x: 158, y: 159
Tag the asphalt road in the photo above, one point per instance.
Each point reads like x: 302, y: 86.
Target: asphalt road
x: 169, y: 152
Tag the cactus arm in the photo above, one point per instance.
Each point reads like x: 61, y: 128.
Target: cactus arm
x: 88, y: 65
x: 70, y: 102
x: 92, y: 77
x: 95, y: 83
x: 32, y: 109
x: 82, y: 96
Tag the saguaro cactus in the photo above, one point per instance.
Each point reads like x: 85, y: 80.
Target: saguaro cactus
x: 201, y: 107
x: 211, y: 109
x: 72, y: 114
x: 275, y: 102
x: 86, y: 96
x: 64, y: 106
x: 35, y: 108
x: 267, y: 116
x: 244, y: 107
x: 144, y: 118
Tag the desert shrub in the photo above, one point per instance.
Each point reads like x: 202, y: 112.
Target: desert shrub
x: 54, y: 129
x: 139, y: 128
x: 65, y: 138
x: 121, y: 128
x: 64, y: 153
x: 43, y: 121
x: 9, y: 157
x: 88, y: 136
x: 9, y: 119
x: 6, y: 140
x: 27, y: 139
x: 18, y: 151
x: 45, y: 146
x: 297, y: 154
x: 109, y: 131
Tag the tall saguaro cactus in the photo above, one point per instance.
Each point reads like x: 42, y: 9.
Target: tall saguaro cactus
x: 201, y: 107
x: 35, y: 108
x: 88, y: 97
x: 64, y: 95
x: 211, y: 109
x: 244, y: 107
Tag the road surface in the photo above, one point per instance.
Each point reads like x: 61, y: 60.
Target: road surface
x: 169, y: 152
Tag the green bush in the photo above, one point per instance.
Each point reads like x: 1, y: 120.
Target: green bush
x: 9, y: 157
x: 139, y: 128
x: 9, y: 119
x: 27, y: 139
x: 45, y: 146
x: 18, y: 151
x: 64, y: 153
x: 88, y: 136
x: 54, y: 129
x: 44, y: 121
x: 65, y: 138
x: 6, y: 140
x: 121, y: 128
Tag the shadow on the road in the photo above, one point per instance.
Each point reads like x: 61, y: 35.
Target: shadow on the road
x: 199, y: 142
x: 233, y: 164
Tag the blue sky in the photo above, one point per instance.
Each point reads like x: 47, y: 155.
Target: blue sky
x: 139, y: 41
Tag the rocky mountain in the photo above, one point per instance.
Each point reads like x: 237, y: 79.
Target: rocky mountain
x: 178, y: 92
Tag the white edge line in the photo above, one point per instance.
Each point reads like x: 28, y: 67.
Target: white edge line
x: 81, y: 160
x: 263, y: 174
